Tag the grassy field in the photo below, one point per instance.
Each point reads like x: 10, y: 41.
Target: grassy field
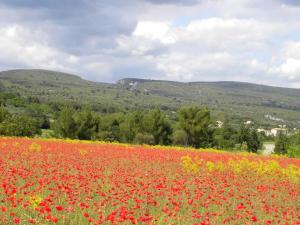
x: 74, y: 183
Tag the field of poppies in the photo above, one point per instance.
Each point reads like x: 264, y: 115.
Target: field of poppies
x: 73, y: 183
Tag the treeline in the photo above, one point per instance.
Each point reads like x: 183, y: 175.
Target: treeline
x: 192, y: 126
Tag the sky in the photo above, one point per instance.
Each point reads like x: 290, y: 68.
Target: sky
x: 181, y: 40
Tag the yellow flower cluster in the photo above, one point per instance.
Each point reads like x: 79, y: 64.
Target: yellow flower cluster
x: 35, y: 147
x: 268, y: 168
x: 35, y: 201
x: 189, y: 165
x: 83, y: 152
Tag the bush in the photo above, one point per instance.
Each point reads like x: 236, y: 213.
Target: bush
x: 4, y: 114
x: 180, y: 138
x: 281, y: 145
x: 144, y: 139
x: 294, y: 152
x: 20, y: 126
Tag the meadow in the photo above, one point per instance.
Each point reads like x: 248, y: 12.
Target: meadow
x: 72, y: 183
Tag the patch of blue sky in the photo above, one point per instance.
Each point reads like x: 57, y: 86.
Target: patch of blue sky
x: 185, y: 20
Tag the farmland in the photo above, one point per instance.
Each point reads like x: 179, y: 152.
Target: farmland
x: 72, y: 182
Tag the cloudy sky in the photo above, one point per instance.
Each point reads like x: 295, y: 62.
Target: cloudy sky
x: 183, y: 40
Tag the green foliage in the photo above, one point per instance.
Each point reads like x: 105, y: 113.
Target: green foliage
x: 19, y: 126
x: 180, y: 138
x: 148, y: 127
x: 41, y: 95
x: 295, y: 139
x: 241, y: 100
x: 281, y: 144
x: 253, y: 141
x: 249, y: 135
x: 196, y: 123
x: 294, y: 146
x: 243, y: 134
x: 65, y: 125
x: 158, y: 126
x: 81, y: 124
x: 86, y: 124
x: 132, y: 125
x: 39, y: 112
x: 4, y: 114
x: 294, y: 151
x: 110, y: 128
x: 144, y: 139
x: 225, y: 137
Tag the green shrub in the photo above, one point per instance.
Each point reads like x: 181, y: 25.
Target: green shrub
x: 294, y: 152
x: 144, y: 139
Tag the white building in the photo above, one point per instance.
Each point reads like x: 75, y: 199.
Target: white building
x: 219, y: 124
x: 277, y: 131
x: 273, y: 132
x: 264, y: 131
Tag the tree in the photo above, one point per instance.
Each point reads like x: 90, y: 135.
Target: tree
x: 38, y: 111
x: 86, y: 124
x: 110, y: 128
x: 180, y: 138
x: 281, y: 144
x: 65, y: 125
x: 196, y: 123
x: 253, y: 141
x: 244, y: 133
x: 159, y: 127
x: 4, y: 114
x: 19, y: 126
x: 144, y: 139
x: 226, y: 136
x: 131, y: 126
x: 249, y: 136
x: 295, y: 139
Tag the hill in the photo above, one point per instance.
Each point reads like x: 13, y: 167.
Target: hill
x: 265, y: 104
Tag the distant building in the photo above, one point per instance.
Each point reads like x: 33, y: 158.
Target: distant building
x: 264, y: 131
x: 277, y: 131
x: 274, y: 118
x: 248, y: 122
x: 219, y: 124
x: 274, y: 132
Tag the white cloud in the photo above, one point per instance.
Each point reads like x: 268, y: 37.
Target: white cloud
x: 287, y: 63
x: 291, y: 68
x: 207, y: 49
x: 229, y: 33
x: 187, y: 67
x: 213, y: 33
x: 291, y: 49
x: 244, y: 40
x: 25, y: 47
x: 152, y: 30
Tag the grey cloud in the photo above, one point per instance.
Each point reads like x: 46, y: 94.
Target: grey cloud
x: 74, y: 24
x: 89, y: 30
x: 181, y: 2
x: 291, y: 2
x: 49, y: 4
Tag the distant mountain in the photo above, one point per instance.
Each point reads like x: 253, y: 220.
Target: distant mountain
x: 237, y: 99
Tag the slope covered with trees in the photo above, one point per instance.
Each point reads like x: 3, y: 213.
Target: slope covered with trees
x: 265, y: 105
